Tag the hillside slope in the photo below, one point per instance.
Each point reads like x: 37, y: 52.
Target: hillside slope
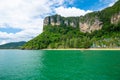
x: 12, y: 45
x: 94, y: 30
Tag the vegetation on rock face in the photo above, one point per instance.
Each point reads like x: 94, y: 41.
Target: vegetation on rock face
x: 68, y: 37
x: 62, y: 36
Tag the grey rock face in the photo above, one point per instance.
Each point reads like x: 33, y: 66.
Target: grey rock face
x: 53, y: 20
x: 46, y: 21
x: 58, y: 20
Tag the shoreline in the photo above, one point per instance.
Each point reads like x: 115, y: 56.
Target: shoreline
x: 85, y: 49
x: 70, y: 49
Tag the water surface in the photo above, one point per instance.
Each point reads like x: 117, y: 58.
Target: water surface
x: 59, y: 65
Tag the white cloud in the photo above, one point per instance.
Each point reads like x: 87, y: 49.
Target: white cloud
x: 3, y: 42
x: 113, y: 2
x: 108, y: 2
x: 26, y: 34
x: 71, y: 11
x: 26, y: 15
x: 102, y: 4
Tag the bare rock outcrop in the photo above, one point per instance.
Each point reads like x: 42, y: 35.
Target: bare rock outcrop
x: 115, y: 18
x: 90, y: 24
x: 85, y: 24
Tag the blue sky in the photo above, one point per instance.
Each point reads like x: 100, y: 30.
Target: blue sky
x: 94, y: 5
x: 21, y: 20
x: 86, y: 4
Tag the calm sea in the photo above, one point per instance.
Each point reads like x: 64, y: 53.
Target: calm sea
x: 59, y: 65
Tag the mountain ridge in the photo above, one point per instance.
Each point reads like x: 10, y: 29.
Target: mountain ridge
x: 94, y: 30
x: 12, y: 45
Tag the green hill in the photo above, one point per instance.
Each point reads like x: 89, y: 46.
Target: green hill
x: 12, y: 45
x: 99, y: 29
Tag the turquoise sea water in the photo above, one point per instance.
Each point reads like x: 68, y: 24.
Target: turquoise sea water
x: 59, y: 65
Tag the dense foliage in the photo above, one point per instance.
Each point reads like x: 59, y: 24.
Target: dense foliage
x: 68, y: 37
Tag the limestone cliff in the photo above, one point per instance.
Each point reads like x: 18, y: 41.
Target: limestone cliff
x: 59, y: 20
x: 85, y: 24
x: 53, y: 20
